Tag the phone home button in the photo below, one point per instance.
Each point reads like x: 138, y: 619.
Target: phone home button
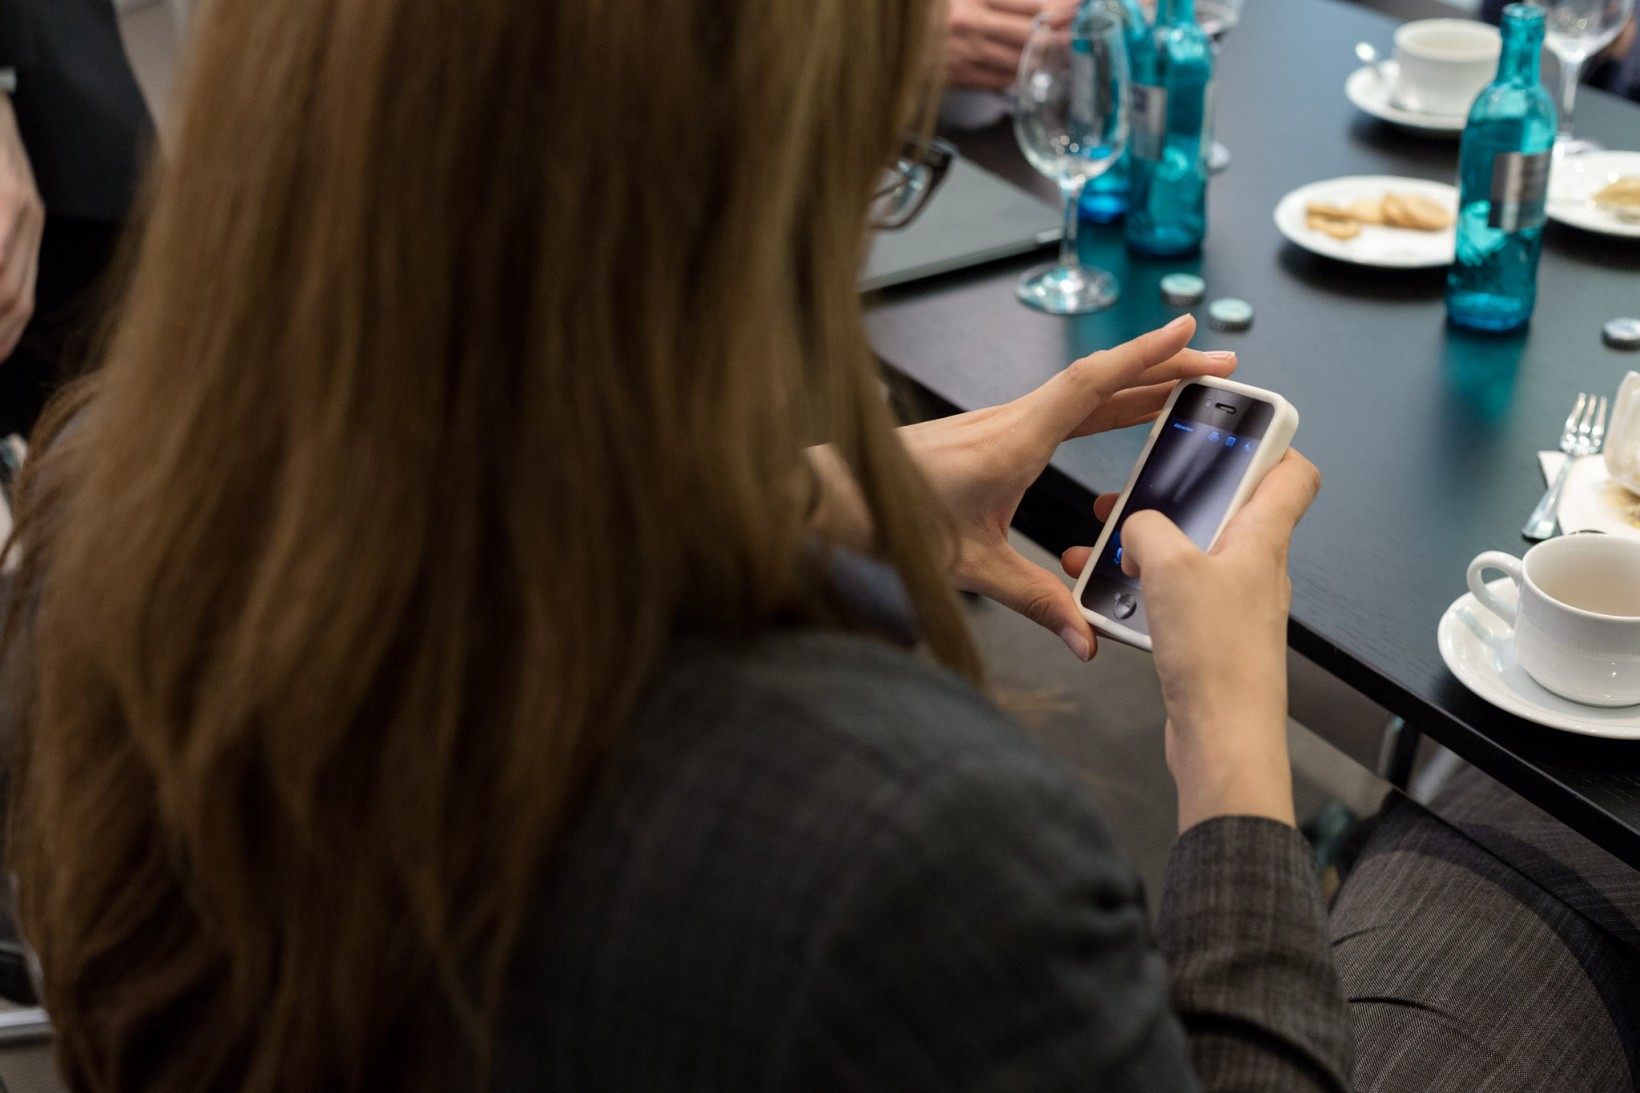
x: 1126, y: 605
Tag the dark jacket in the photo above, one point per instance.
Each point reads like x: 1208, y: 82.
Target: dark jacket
x: 82, y: 117
x: 820, y: 864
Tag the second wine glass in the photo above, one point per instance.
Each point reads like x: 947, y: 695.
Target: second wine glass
x: 1218, y: 18
x: 1576, y: 30
x: 1071, y: 120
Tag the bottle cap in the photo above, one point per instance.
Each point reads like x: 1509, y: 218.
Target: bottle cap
x: 1621, y: 333
x: 1183, y: 290
x: 1229, y: 313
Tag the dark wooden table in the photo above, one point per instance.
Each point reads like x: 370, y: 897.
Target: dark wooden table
x: 1426, y: 437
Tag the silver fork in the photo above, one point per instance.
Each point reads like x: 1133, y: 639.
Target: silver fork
x: 1582, y: 435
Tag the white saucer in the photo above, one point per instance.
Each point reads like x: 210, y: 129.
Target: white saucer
x: 1591, y: 501
x: 1371, y: 92
x: 1475, y: 645
x: 1575, y: 179
x: 1387, y: 248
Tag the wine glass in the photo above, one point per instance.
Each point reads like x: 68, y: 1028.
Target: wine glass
x: 1574, y: 31
x: 1218, y: 18
x: 1071, y: 121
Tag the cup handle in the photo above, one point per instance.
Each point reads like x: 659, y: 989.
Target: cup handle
x: 1494, y: 559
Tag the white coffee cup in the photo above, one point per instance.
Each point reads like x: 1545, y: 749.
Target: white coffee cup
x: 1623, y: 435
x: 1442, y: 64
x: 1577, y: 624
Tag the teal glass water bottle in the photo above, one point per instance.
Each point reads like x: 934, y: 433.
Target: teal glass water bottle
x: 1105, y: 197
x: 1503, y: 181
x: 1172, y: 132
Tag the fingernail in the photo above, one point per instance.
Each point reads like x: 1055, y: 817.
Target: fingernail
x: 1176, y: 322
x: 1220, y: 356
x: 1077, y: 641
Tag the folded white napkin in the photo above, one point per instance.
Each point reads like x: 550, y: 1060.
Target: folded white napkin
x: 1592, y: 501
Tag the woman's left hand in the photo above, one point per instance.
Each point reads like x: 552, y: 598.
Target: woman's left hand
x: 980, y: 463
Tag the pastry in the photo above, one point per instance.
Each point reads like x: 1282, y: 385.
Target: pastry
x: 1331, y: 212
x: 1412, y: 211
x: 1368, y: 210
x: 1621, y: 197
x: 1415, y: 211
x: 1337, y: 227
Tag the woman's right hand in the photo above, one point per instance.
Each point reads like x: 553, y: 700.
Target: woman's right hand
x: 1218, y: 624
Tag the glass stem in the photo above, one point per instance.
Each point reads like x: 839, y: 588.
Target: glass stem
x: 1570, y: 69
x: 1072, y: 190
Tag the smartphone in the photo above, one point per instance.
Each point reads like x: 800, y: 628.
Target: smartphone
x: 1213, y: 443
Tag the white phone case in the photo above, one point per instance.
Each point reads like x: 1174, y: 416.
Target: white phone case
x: 1272, y: 446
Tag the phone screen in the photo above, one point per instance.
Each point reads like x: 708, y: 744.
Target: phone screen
x: 1190, y: 476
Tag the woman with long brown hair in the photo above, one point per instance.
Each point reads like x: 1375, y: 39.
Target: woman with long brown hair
x: 446, y: 659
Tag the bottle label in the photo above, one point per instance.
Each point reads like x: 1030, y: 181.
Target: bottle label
x: 1149, y: 121
x: 1520, y: 184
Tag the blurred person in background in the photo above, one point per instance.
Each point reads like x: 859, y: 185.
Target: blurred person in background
x: 73, y: 127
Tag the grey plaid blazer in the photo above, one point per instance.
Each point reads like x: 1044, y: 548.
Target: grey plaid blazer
x: 818, y: 863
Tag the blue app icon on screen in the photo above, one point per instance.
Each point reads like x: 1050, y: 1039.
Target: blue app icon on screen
x: 1213, y: 437
x: 1229, y: 442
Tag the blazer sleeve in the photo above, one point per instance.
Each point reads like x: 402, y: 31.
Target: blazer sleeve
x: 1245, y: 935
x: 993, y: 939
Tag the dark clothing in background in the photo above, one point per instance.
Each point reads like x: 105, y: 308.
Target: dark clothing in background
x: 67, y: 315
x: 1620, y: 75
x: 86, y: 130
x: 78, y: 106
x: 817, y: 863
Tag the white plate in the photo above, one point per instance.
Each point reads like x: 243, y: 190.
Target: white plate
x: 1371, y: 92
x: 1389, y: 248
x: 1475, y: 645
x: 1575, y: 179
x: 1591, y: 501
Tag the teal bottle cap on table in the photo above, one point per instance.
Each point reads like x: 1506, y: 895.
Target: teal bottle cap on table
x: 1621, y: 334
x: 1230, y: 314
x: 1183, y: 289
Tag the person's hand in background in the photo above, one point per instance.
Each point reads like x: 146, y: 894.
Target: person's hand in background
x: 984, y: 40
x: 22, y: 222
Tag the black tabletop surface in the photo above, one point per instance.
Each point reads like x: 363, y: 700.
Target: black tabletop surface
x: 1426, y: 437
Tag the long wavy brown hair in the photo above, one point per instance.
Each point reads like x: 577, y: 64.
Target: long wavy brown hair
x: 470, y: 354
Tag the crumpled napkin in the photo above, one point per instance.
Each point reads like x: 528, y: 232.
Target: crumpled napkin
x: 1608, y: 512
